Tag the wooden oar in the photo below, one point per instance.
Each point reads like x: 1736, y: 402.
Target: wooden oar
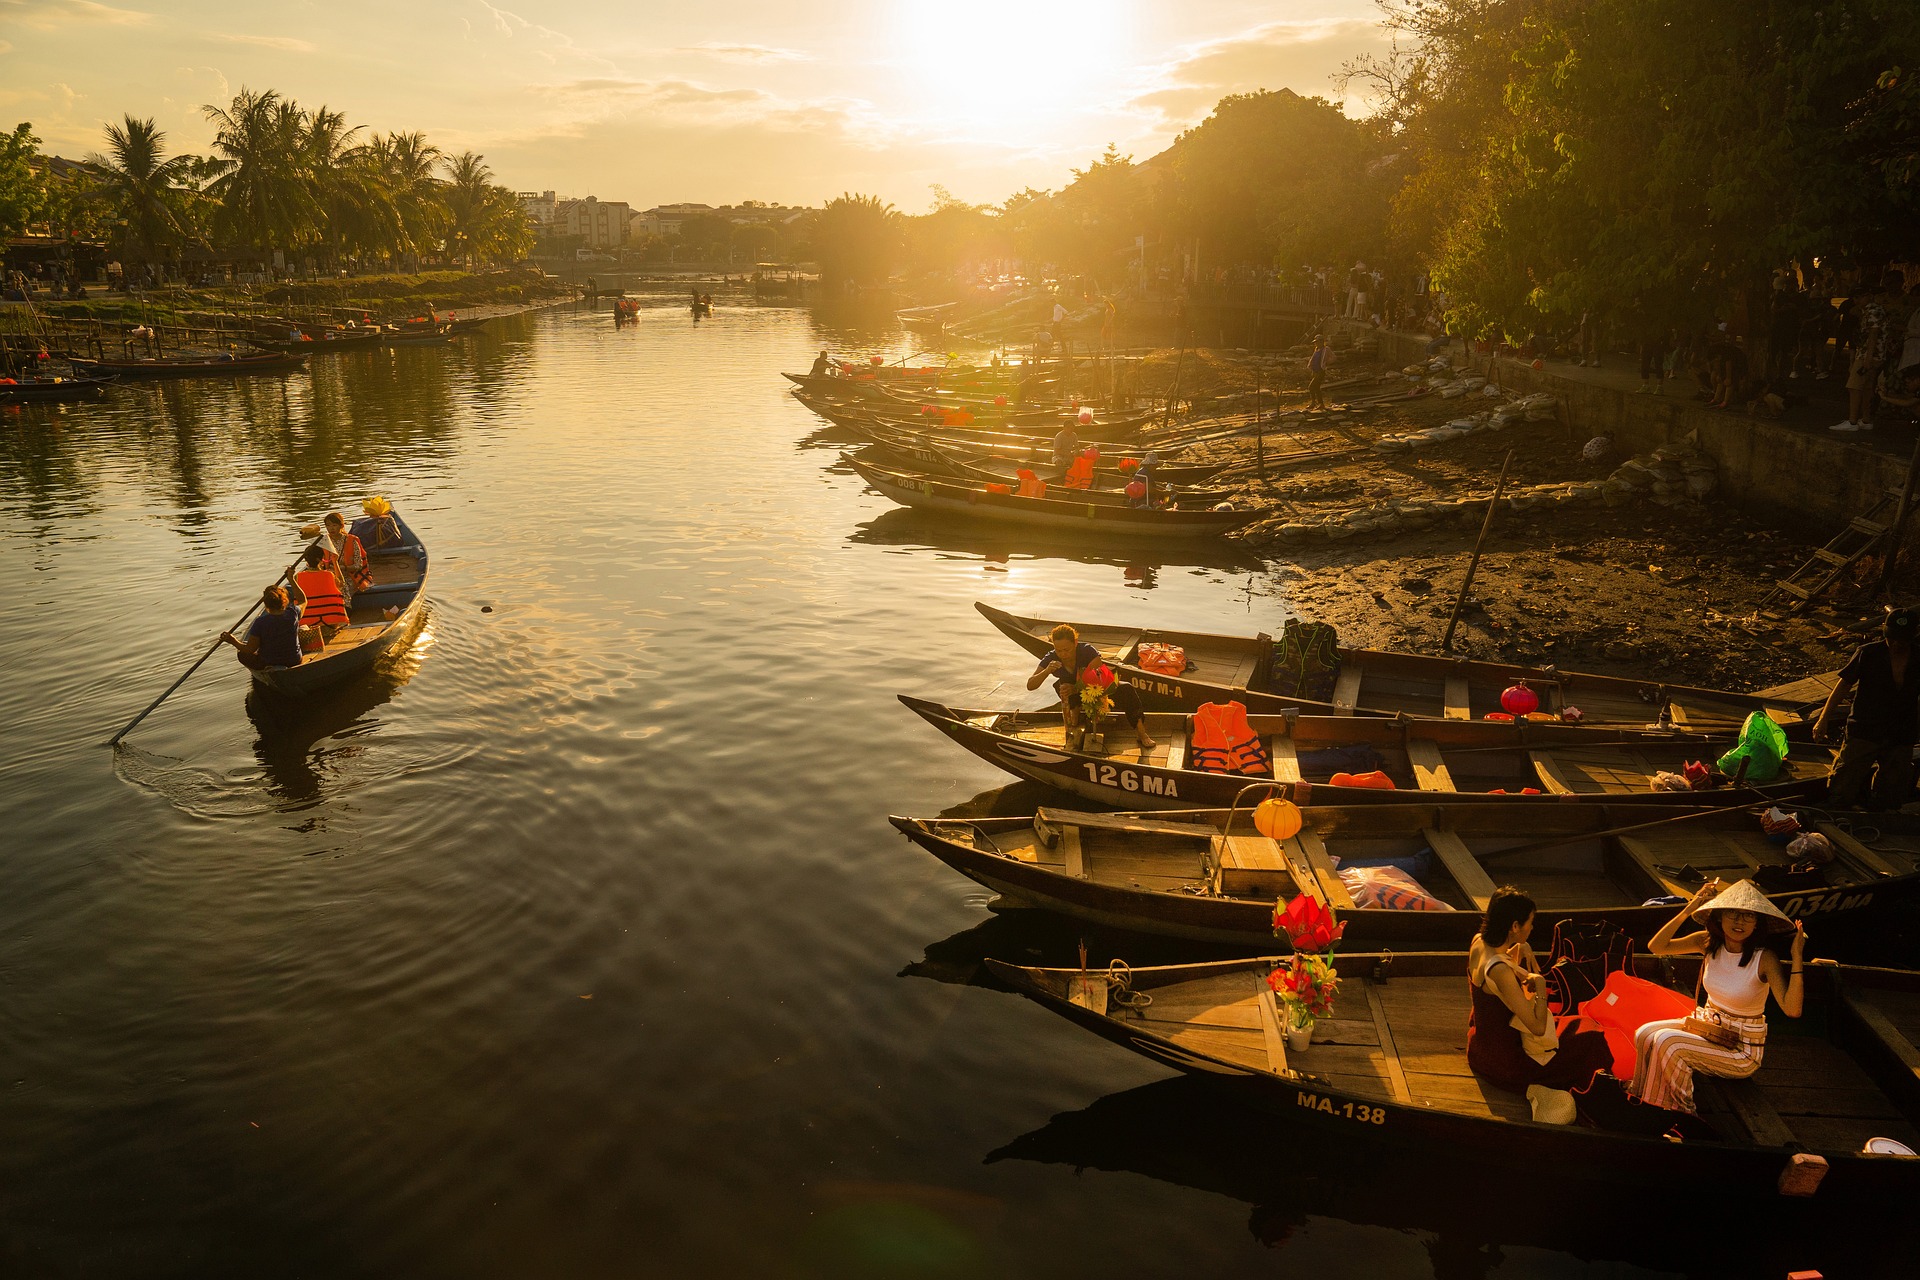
x: 1466, y: 584
x: 1577, y: 836
x: 114, y: 741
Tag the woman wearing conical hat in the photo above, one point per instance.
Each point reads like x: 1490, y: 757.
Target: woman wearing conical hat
x: 1737, y: 975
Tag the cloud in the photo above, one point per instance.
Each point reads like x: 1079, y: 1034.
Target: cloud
x: 287, y: 43
x: 745, y: 52
x: 697, y: 106
x: 5, y: 47
x: 50, y: 15
x: 1302, y: 56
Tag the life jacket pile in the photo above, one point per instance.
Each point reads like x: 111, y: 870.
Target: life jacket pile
x: 1163, y: 659
x: 1031, y: 486
x: 325, y: 605
x: 1223, y: 742
x: 1079, y: 474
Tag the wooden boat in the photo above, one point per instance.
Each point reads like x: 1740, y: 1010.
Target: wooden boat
x: 1389, y: 1071
x: 225, y: 366
x: 1475, y: 760
x: 326, y: 342
x: 1108, y: 490
x: 1086, y: 514
x: 989, y: 466
x: 472, y: 324
x: 1208, y: 876
x: 36, y: 390
x: 1377, y: 682
x: 399, y: 583
x: 1015, y: 442
x: 416, y: 335
x: 913, y: 417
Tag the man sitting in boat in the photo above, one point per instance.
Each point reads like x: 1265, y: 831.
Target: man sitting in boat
x: 1881, y: 724
x: 1076, y: 663
x: 1509, y: 1040
x: 821, y: 365
x: 1727, y: 1034
x: 323, y: 606
x: 274, y: 638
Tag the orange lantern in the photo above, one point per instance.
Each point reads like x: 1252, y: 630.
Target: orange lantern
x: 1277, y: 819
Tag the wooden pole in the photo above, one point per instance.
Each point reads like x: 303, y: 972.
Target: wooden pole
x: 1446, y: 644
x: 1690, y: 816
x: 151, y: 706
x: 1898, y: 532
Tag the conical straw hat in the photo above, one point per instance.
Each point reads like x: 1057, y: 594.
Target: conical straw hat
x: 1744, y: 895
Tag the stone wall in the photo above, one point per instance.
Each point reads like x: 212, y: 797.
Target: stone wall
x: 1777, y: 474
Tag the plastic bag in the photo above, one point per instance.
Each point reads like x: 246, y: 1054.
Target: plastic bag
x: 1388, y: 887
x: 1762, y: 745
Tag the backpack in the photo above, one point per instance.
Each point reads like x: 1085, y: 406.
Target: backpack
x: 1583, y: 955
x: 1307, y: 662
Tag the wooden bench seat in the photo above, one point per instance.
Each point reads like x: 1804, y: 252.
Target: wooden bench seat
x: 1462, y: 866
x: 1429, y: 767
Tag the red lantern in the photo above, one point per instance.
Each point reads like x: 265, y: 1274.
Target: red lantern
x: 1520, y: 700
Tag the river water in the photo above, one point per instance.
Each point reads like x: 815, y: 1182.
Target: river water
x: 574, y: 941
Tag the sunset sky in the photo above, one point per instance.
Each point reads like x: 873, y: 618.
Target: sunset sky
x: 649, y: 102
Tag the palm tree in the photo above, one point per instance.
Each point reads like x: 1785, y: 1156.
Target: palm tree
x: 468, y: 182
x: 405, y: 161
x: 265, y: 200
x: 143, y: 186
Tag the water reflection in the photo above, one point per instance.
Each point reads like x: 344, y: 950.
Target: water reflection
x: 1190, y: 1133
x: 305, y: 743
x: 917, y: 530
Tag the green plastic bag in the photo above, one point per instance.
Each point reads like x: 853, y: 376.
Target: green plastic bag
x: 1762, y: 745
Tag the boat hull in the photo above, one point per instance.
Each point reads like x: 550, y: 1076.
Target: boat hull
x: 1075, y: 519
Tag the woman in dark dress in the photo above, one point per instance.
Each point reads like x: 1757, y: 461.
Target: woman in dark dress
x: 1508, y: 988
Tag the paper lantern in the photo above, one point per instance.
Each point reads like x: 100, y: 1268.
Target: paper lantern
x: 1137, y: 489
x: 1277, y: 819
x: 1086, y: 417
x: 876, y: 360
x: 1520, y: 700
x: 1000, y: 401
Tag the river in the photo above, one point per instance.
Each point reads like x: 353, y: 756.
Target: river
x: 575, y: 941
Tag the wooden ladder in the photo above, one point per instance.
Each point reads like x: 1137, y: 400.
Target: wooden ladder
x: 1863, y: 535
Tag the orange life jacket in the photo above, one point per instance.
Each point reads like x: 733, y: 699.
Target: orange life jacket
x: 325, y: 605
x: 1223, y: 742
x: 1080, y: 474
x: 1376, y: 780
x: 353, y: 559
x: 1031, y: 486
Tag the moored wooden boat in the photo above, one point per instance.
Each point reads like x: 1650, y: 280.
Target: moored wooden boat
x: 37, y: 390
x: 947, y: 454
x: 1388, y: 1069
x: 1376, y: 682
x: 1208, y: 876
x: 1475, y: 760
x: 1086, y: 514
x: 223, y: 366
x: 399, y: 584
x: 1107, y: 491
x: 326, y: 342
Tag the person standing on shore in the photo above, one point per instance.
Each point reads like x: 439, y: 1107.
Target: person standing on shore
x: 1317, y: 372
x: 1876, y: 760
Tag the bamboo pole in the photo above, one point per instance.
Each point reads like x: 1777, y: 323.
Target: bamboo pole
x: 1446, y: 644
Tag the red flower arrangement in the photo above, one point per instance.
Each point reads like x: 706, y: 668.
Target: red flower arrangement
x: 1306, y: 985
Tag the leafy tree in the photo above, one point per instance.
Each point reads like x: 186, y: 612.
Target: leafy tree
x: 265, y: 199
x: 22, y: 193
x: 856, y: 240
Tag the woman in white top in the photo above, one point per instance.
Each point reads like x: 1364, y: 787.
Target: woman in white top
x: 1737, y: 975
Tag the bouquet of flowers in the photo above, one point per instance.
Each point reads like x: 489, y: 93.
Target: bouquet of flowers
x: 1093, y: 685
x: 1307, y: 983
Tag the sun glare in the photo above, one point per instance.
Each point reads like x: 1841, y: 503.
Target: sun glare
x: 1007, y: 68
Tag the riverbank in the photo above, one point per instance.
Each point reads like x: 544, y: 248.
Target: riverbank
x: 1617, y: 563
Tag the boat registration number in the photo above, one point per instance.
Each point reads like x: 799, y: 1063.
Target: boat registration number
x: 1359, y: 1111
x: 1107, y: 775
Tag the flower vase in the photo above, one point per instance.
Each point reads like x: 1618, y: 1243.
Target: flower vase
x: 1299, y: 1036
x: 1076, y: 738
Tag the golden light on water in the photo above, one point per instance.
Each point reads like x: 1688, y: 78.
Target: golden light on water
x: 1009, y: 66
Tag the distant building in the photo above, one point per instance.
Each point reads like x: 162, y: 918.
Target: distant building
x: 606, y: 224
x: 538, y: 205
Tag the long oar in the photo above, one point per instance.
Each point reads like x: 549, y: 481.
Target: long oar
x: 1574, y: 838
x: 115, y: 739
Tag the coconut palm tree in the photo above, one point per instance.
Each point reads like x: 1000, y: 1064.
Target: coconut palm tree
x: 265, y: 200
x: 144, y: 187
x: 405, y: 161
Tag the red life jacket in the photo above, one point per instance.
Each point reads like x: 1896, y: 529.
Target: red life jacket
x: 1079, y: 474
x: 1223, y: 742
x: 1031, y: 486
x: 325, y: 605
x: 353, y: 559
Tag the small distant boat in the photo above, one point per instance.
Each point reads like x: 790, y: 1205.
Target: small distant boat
x: 326, y: 342
x: 399, y: 583
x: 1470, y: 761
x: 472, y: 324
x: 222, y: 366
x: 36, y: 390
x: 1086, y: 513
x: 989, y: 466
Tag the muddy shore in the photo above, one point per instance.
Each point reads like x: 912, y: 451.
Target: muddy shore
x: 1582, y: 571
